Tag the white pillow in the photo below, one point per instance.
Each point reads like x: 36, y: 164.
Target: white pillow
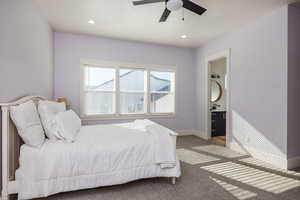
x: 27, y: 121
x: 68, y: 125
x: 47, y: 111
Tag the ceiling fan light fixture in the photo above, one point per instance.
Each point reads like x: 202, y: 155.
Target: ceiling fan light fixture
x: 174, y: 5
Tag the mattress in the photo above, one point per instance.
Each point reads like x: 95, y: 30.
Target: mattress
x: 102, y: 155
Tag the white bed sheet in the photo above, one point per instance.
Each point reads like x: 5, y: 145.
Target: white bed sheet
x: 102, y: 155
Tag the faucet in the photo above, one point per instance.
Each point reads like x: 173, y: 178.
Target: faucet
x: 214, y: 106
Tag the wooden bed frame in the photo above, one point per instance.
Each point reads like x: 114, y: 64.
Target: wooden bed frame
x: 11, y: 143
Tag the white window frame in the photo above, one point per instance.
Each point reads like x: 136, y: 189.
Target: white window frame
x: 118, y: 66
x: 144, y: 92
x: 157, y: 92
x: 113, y: 91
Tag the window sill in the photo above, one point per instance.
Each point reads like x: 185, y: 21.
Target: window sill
x: 124, y: 117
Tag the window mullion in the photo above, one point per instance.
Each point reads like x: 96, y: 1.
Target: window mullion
x: 85, y: 79
x: 117, y: 93
x: 148, y: 95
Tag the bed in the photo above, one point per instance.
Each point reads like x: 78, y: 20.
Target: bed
x: 102, y: 155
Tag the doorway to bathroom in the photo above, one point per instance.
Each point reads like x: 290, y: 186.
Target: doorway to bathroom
x: 218, y: 98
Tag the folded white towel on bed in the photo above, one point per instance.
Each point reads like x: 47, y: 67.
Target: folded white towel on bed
x: 141, y: 124
x: 165, y: 150
x: 165, y: 154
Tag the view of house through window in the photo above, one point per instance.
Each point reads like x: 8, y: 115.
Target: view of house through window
x: 125, y: 91
x: 162, y: 92
x: 132, y: 91
x: 99, y: 90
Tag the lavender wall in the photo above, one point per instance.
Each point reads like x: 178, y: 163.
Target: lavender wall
x: 26, y: 52
x: 293, y: 81
x: 258, y: 83
x: 69, y: 49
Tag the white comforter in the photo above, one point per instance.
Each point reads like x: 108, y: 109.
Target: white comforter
x: 164, y: 148
x: 102, y: 155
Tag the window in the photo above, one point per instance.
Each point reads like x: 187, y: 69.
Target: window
x: 99, y: 90
x: 162, y: 92
x: 132, y: 91
x: 118, y: 90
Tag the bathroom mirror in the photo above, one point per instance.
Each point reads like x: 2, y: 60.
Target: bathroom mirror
x: 216, y: 91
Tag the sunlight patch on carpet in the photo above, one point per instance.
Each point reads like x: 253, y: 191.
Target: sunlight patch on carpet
x: 219, y: 150
x: 194, y: 158
x: 256, y: 178
x: 266, y: 165
x: 235, y: 191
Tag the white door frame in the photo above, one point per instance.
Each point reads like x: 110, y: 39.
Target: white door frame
x: 208, y: 60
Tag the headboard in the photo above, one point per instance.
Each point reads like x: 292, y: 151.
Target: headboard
x: 11, y: 142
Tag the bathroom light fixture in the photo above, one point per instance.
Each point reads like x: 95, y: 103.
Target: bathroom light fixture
x: 91, y: 21
x: 183, y: 36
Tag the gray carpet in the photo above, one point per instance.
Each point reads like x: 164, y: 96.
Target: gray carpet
x: 223, y: 178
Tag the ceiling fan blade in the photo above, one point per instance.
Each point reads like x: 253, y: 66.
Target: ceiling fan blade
x: 193, y: 7
x: 165, y: 15
x: 142, y: 2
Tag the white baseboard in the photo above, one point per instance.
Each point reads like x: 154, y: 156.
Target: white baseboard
x: 184, y: 132
x: 196, y: 133
x: 277, y: 161
x: 293, y: 163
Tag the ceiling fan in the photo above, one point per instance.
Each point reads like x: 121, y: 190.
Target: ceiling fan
x: 173, y: 5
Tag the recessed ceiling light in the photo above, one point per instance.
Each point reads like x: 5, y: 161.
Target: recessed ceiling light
x: 183, y: 36
x: 91, y: 21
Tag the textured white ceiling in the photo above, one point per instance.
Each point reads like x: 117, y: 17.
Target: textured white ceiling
x: 120, y: 19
